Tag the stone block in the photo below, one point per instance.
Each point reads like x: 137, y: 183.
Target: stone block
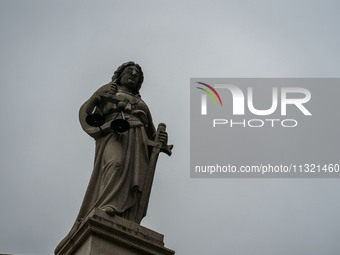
x: 102, y: 234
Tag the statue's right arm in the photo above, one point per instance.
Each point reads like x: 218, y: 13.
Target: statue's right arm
x: 96, y: 99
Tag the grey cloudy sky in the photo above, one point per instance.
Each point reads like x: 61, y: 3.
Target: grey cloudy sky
x: 55, y: 54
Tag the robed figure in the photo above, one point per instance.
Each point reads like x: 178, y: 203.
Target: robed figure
x: 125, y: 159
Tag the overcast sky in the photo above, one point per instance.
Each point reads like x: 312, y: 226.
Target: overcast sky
x: 55, y: 54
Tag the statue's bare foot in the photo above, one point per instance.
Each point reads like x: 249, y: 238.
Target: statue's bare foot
x: 109, y: 210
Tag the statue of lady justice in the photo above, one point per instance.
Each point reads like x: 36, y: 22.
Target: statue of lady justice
x: 127, y: 148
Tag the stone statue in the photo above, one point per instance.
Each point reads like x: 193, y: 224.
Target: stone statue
x: 125, y: 159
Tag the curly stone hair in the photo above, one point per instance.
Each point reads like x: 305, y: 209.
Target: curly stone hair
x: 118, y: 73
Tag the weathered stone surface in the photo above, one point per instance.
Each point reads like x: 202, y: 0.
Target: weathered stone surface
x: 127, y: 149
x: 103, y: 234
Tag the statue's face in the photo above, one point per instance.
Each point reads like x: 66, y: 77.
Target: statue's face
x: 130, y: 77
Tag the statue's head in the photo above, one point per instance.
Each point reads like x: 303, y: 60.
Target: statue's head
x: 132, y: 68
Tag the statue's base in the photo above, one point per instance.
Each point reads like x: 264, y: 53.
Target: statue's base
x: 101, y: 234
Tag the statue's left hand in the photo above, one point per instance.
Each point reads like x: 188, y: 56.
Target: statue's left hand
x: 163, y: 137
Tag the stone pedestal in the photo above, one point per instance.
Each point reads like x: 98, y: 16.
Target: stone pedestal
x: 101, y: 234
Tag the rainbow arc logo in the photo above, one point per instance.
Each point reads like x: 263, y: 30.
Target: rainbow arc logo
x: 209, y: 93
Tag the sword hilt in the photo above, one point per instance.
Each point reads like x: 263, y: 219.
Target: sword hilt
x: 167, y: 149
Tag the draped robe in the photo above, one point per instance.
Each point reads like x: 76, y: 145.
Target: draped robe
x: 121, y: 161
